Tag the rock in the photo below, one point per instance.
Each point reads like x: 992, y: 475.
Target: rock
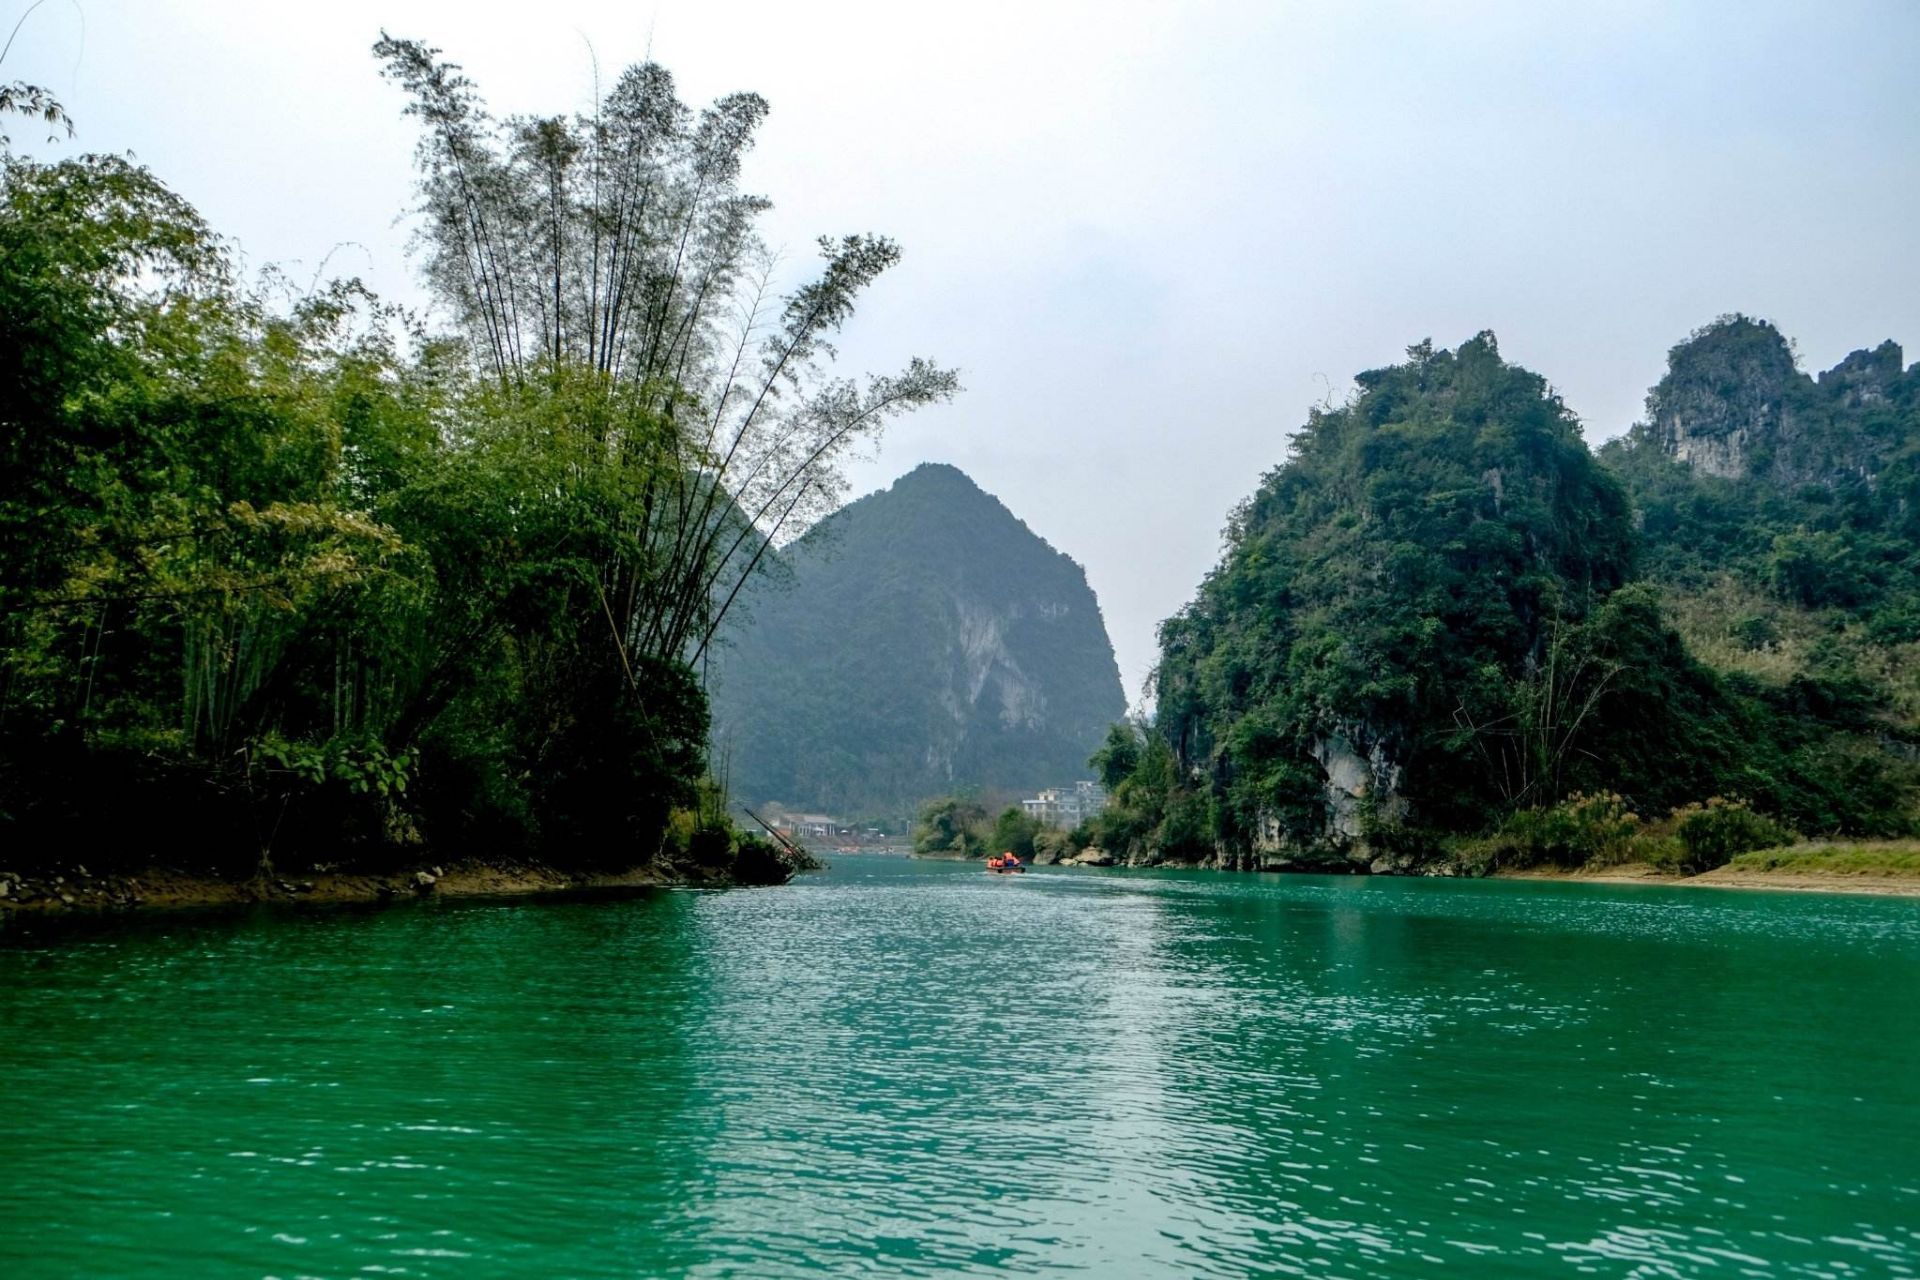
x: 1045, y: 857
x: 1093, y: 858
x: 423, y: 881
x: 1356, y: 782
x: 437, y: 873
x: 1735, y: 404
x: 82, y: 872
x: 66, y: 897
x: 6, y: 888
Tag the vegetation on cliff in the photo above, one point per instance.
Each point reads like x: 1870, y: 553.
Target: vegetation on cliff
x: 1780, y: 516
x: 288, y: 571
x: 1434, y: 617
x: 918, y: 640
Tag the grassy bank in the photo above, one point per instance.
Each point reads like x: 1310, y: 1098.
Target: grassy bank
x: 1834, y: 858
x: 1864, y: 866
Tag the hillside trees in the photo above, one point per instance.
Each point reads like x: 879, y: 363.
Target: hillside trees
x: 175, y: 541
x: 1389, y: 602
x: 1427, y: 618
x: 618, y: 244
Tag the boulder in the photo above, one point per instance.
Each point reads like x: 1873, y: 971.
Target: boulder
x: 1093, y: 858
x: 423, y: 881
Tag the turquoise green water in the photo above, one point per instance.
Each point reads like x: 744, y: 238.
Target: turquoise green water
x: 902, y: 1068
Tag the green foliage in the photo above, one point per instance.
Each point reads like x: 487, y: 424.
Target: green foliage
x: 1806, y: 533
x: 1434, y: 594
x: 1014, y: 831
x: 616, y: 247
x: 362, y: 767
x: 1592, y: 831
x: 1889, y: 858
x: 17, y: 97
x: 1414, y: 581
x: 922, y: 638
x: 310, y: 581
x: 1583, y: 830
x: 701, y: 839
x: 1118, y: 757
x: 1715, y: 832
x: 952, y: 825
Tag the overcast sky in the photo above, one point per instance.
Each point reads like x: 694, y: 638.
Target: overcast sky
x: 1149, y: 235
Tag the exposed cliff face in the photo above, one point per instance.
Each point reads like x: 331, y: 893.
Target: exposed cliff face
x: 1734, y: 405
x: 1358, y: 787
x: 926, y: 640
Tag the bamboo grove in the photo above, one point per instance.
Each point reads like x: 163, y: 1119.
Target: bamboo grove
x: 311, y: 575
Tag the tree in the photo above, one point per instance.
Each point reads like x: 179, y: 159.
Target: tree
x: 1400, y: 575
x: 1118, y: 756
x: 303, y: 576
x: 17, y: 97
x: 618, y: 243
x: 951, y: 824
x: 1014, y: 831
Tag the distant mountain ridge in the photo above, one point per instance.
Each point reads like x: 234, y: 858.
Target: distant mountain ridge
x: 924, y: 639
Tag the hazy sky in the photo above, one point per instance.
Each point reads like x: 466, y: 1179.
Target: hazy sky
x: 1149, y: 235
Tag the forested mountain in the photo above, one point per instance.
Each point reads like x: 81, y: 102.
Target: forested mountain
x: 924, y: 639
x: 1780, y: 514
x: 1443, y: 616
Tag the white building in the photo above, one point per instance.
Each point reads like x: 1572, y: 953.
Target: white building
x: 1067, y: 806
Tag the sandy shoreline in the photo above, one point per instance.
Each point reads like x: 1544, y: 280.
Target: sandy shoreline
x: 1732, y: 878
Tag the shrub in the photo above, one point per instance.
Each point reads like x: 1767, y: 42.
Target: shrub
x: 757, y: 860
x: 1474, y: 855
x: 1014, y: 832
x: 1582, y: 830
x: 1187, y: 831
x: 1051, y: 846
x: 1713, y: 834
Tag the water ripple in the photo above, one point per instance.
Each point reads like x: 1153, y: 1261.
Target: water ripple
x: 906, y: 1069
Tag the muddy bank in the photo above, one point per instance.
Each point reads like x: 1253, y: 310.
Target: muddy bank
x: 75, y: 889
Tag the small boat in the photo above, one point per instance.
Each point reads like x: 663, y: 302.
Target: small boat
x: 1002, y: 864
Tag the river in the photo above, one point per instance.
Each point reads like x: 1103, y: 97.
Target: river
x: 916, y: 1069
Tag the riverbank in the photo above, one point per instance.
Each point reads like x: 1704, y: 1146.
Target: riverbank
x: 1887, y: 869
x: 75, y: 890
